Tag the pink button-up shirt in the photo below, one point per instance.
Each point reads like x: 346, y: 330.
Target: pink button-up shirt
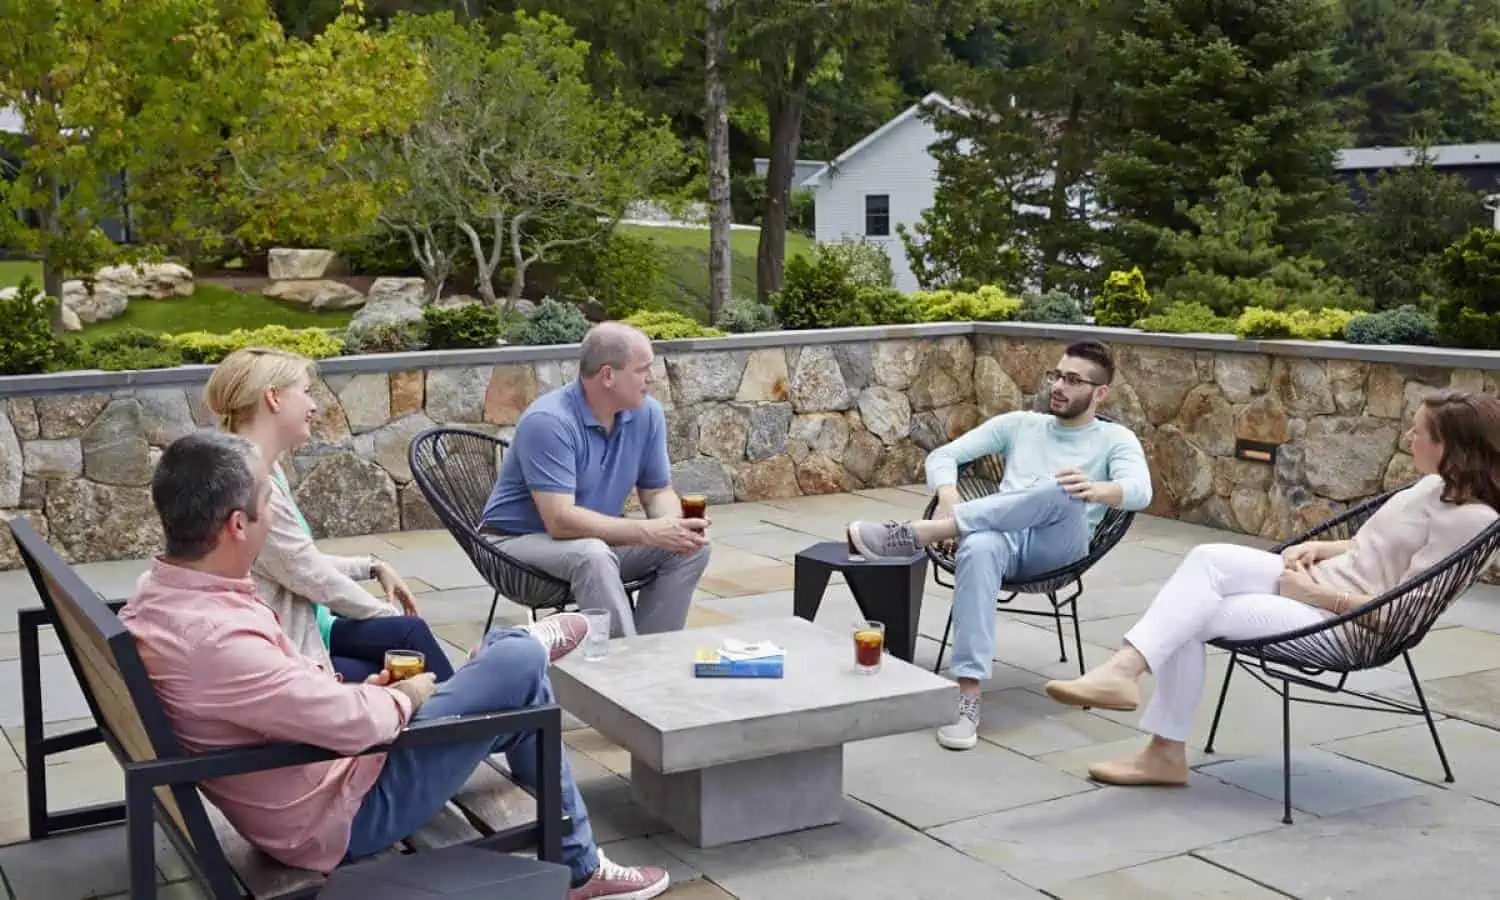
x: 228, y: 677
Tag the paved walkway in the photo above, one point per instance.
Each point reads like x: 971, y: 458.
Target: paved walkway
x: 1013, y: 818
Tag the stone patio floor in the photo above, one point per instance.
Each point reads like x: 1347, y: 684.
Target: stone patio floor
x: 1015, y: 817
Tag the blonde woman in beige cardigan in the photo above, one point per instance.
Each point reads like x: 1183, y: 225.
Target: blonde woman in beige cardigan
x: 266, y: 397
x: 1230, y: 591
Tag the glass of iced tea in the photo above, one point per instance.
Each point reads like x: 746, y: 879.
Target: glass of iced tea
x: 694, y: 506
x: 403, y: 664
x: 869, y: 646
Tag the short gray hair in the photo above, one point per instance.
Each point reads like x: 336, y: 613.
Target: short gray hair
x: 200, y: 479
x: 607, y: 344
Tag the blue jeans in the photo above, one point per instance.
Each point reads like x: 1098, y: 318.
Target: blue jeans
x: 509, y: 672
x: 358, y: 645
x: 1004, y: 537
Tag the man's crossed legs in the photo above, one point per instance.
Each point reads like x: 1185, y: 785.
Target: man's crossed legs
x: 1007, y: 536
x: 508, y: 672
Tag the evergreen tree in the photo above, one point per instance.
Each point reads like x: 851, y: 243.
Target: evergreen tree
x: 1202, y: 89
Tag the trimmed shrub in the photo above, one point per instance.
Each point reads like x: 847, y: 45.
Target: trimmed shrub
x: 125, y: 350
x: 1054, y: 307
x: 625, y: 275
x: 1270, y: 324
x: 1122, y: 300
x: 988, y: 304
x: 27, y: 342
x: 401, y: 336
x: 867, y: 264
x: 205, y: 347
x: 552, y: 323
x: 664, y: 325
x: 1470, y: 315
x: 1402, y: 325
x: 746, y: 316
x: 1187, y: 318
x: 471, y: 326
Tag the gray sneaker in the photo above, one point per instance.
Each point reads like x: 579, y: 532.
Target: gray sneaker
x: 963, y: 734
x: 889, y: 540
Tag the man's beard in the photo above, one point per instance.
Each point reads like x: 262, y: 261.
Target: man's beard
x: 1071, y: 409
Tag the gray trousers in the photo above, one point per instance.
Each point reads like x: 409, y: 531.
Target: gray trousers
x: 596, y: 573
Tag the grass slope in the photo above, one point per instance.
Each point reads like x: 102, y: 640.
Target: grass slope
x: 686, y: 253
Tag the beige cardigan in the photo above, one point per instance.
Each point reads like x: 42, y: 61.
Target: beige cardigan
x: 291, y: 574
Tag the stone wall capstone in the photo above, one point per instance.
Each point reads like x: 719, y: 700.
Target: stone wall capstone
x: 834, y: 412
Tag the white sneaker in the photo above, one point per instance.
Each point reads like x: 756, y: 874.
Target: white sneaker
x: 963, y: 734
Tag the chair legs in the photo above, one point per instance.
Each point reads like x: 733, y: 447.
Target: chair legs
x: 1416, y: 687
x: 1057, y: 616
x: 943, y: 647
x: 1286, y: 751
x: 1219, y: 710
x: 490, y: 619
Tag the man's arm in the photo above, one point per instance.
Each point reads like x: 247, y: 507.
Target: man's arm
x: 247, y: 679
x: 654, y: 481
x: 544, y: 446
x: 991, y: 437
x: 1129, y: 474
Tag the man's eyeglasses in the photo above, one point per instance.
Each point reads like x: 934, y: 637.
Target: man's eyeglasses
x: 1071, y: 379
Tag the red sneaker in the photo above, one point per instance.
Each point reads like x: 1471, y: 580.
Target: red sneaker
x: 560, y: 634
x: 616, y: 882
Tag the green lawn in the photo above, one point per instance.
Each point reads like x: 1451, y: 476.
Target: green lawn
x: 13, y: 270
x: 686, y: 250
x: 214, y: 308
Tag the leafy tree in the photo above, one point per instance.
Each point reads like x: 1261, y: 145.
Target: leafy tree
x: 513, y: 149
x: 1201, y: 89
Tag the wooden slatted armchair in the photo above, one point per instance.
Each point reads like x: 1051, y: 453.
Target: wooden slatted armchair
x: 1321, y: 657
x: 980, y: 478
x: 455, y: 469
x: 161, y: 779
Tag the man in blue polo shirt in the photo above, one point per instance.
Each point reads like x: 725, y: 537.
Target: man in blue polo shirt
x: 577, y: 453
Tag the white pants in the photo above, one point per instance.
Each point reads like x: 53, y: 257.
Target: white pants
x: 1219, y: 591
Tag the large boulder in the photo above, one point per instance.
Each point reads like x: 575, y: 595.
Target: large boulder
x: 155, y: 280
x: 317, y: 295
x: 392, y: 300
x: 104, y: 302
x: 289, y: 264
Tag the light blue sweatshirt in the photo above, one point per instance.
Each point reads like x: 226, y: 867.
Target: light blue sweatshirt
x: 1035, y: 448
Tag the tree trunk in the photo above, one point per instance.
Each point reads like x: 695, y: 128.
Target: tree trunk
x: 720, y: 213
x: 52, y: 273
x: 786, y: 138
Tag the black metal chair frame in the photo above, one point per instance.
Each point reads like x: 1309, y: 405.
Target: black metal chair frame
x: 980, y: 478
x: 441, y: 471
x: 176, y: 772
x: 1385, y: 628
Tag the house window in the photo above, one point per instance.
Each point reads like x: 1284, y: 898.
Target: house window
x: 878, y: 215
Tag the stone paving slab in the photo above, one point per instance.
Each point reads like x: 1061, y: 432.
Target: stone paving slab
x: 10, y: 643
x: 1051, y: 843
x: 73, y: 866
x: 1473, y: 752
x: 1033, y: 724
x: 1439, y: 845
x: 1177, y: 876
x: 1478, y: 608
x: 1474, y: 697
x: 915, y: 780
x: 61, y: 697
x: 1323, y: 783
x: 1452, y: 651
x: 612, y: 813
x: 867, y: 856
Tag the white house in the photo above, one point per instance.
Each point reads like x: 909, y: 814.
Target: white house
x: 887, y: 179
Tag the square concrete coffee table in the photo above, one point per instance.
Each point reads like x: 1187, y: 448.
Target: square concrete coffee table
x: 730, y: 759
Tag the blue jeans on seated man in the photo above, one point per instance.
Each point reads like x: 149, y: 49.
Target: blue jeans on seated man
x: 508, y: 673
x: 358, y: 646
x: 1007, y: 536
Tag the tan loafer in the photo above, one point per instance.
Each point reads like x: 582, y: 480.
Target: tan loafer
x: 1098, y: 693
x: 1131, y: 773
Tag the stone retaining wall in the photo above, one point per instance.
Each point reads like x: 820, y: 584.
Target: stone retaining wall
x: 760, y: 417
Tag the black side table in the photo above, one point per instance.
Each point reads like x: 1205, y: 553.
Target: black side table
x: 887, y: 590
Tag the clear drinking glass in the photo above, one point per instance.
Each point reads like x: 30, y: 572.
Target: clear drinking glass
x: 869, y: 646
x: 596, y: 642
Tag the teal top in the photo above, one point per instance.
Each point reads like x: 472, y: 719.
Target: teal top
x: 1036, y: 447
x: 324, y: 616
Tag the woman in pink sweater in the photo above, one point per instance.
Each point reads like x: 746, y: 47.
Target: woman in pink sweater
x: 1236, y: 592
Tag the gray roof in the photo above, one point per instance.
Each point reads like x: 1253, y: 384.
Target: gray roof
x: 1445, y: 156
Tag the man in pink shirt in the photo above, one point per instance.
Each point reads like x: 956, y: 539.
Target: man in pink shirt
x: 229, y: 677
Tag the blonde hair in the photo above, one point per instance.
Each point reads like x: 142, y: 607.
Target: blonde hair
x: 235, y: 388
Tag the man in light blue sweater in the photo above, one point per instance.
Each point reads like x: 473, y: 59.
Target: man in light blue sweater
x: 1061, y: 469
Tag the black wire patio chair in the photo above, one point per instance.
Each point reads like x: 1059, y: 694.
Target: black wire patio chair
x: 1377, y: 633
x: 455, y: 469
x: 980, y: 478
